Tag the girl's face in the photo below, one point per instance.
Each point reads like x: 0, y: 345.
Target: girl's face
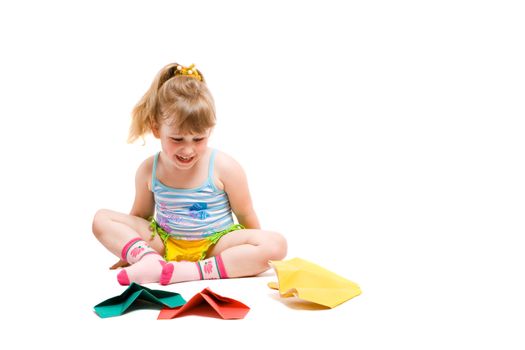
x: 182, y: 150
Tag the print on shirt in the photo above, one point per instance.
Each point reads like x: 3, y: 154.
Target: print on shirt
x: 198, y: 211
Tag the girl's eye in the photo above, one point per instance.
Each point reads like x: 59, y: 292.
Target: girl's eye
x: 176, y: 139
x: 198, y: 140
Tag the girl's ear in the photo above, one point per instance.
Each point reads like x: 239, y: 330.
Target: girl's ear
x: 155, y: 130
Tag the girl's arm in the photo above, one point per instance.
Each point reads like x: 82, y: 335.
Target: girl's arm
x: 144, y: 204
x: 232, y: 176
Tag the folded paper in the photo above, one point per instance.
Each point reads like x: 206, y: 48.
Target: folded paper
x: 137, y: 296
x: 210, y: 304
x: 308, y: 281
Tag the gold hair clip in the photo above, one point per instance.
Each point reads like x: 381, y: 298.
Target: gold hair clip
x: 190, y: 71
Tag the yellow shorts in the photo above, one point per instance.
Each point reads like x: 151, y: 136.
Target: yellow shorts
x: 184, y: 250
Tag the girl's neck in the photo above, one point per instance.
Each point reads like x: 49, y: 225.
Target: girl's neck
x: 193, y: 177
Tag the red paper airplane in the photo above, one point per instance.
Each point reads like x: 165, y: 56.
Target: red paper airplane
x: 209, y: 304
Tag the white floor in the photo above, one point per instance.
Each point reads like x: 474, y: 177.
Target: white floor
x: 410, y: 303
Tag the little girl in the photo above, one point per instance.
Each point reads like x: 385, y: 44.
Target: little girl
x: 181, y: 226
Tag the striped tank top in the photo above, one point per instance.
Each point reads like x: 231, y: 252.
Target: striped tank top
x: 191, y: 214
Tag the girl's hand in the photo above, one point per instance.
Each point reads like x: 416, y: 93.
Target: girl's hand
x: 119, y: 264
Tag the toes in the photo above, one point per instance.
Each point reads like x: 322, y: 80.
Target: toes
x: 123, y: 278
x: 167, y: 272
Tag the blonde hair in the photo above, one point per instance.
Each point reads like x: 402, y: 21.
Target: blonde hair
x: 182, y: 101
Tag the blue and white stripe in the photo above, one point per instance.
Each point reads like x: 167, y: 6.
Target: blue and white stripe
x: 191, y: 214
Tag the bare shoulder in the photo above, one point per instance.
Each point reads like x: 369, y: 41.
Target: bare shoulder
x: 228, y: 171
x: 226, y: 164
x: 144, y: 172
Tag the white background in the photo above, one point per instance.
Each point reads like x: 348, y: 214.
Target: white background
x: 383, y: 138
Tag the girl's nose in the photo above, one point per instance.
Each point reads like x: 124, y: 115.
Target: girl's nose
x: 186, y: 150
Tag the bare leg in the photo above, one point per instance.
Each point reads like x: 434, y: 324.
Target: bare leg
x: 114, y: 230
x: 247, y: 252
x: 129, y: 237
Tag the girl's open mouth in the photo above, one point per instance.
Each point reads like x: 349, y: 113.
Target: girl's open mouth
x: 184, y: 159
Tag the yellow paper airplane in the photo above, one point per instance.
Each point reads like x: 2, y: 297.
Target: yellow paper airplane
x: 311, y: 282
